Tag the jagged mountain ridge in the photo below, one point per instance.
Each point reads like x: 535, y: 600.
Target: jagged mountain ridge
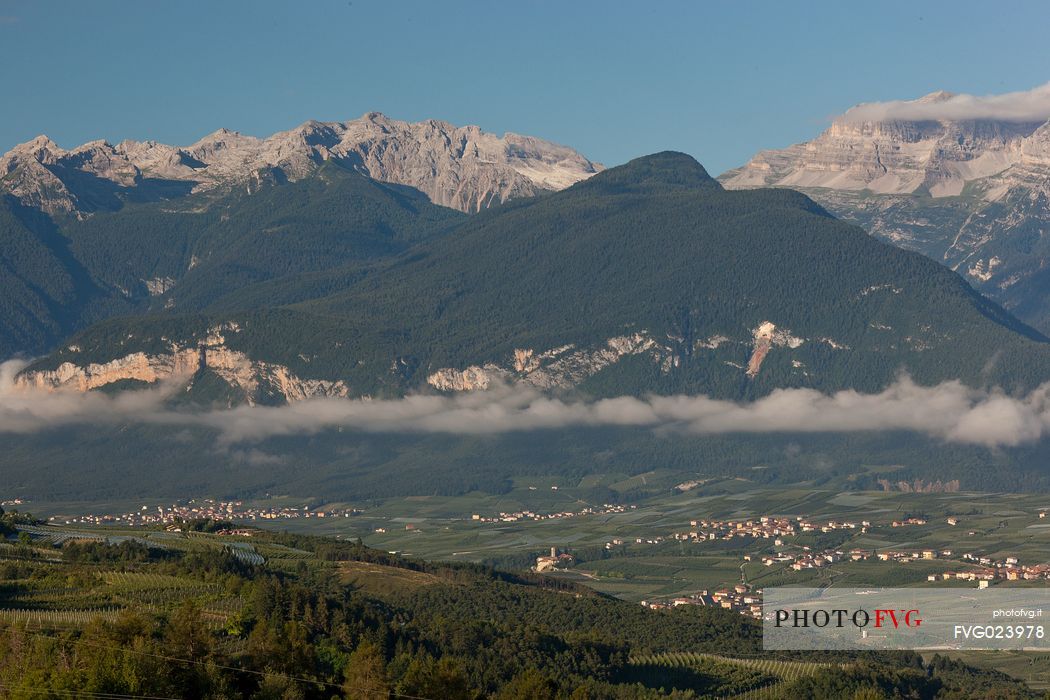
x: 972, y: 194
x: 647, y: 277
x: 103, y: 229
x: 460, y: 167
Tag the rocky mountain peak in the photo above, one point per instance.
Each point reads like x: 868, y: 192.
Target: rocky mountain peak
x: 40, y: 149
x: 375, y: 117
x: 221, y: 138
x: 460, y: 167
x: 872, y: 148
x: 963, y: 179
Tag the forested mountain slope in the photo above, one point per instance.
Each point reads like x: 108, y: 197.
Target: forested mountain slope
x: 192, y: 614
x: 646, y: 277
x: 46, y: 292
x: 103, y: 229
x: 171, y: 255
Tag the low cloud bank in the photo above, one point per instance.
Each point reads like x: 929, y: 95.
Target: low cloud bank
x: 948, y: 411
x: 1024, y: 106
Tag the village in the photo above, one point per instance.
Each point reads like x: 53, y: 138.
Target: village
x: 1008, y: 569
x: 745, y: 598
x: 770, y: 526
x: 203, y: 509
x: 521, y: 515
x: 741, y: 598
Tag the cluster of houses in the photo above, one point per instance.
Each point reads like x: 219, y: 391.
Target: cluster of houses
x: 532, y: 515
x: 808, y: 559
x: 986, y: 569
x: 749, y: 602
x: 205, y: 509
x: 225, y: 532
x: 741, y: 598
x: 765, y: 527
x: 1008, y: 569
x: 905, y: 557
x: 917, y: 521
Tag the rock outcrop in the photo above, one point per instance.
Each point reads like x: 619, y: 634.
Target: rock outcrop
x: 935, y: 158
x: 561, y: 367
x: 765, y: 337
x: 252, y: 379
x: 138, y: 367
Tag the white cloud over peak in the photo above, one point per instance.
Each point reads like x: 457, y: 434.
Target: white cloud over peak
x: 1023, y: 106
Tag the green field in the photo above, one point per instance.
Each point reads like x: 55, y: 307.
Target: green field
x: 434, y: 527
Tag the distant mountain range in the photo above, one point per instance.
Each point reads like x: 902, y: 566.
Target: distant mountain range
x: 460, y: 167
x: 972, y: 193
x: 645, y: 277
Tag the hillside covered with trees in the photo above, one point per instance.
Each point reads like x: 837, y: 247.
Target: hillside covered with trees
x: 654, y: 247
x: 194, y: 615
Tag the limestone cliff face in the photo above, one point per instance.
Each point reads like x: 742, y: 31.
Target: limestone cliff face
x: 460, y: 167
x: 567, y: 366
x: 558, y: 368
x: 561, y: 367
x: 252, y: 378
x: 138, y: 366
x: 472, y: 378
x: 937, y: 157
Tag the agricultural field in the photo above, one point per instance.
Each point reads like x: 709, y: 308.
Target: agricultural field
x: 994, y: 525
x: 46, y: 588
x: 744, y: 678
x: 442, y: 528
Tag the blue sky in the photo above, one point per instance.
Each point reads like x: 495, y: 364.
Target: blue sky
x: 613, y: 79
